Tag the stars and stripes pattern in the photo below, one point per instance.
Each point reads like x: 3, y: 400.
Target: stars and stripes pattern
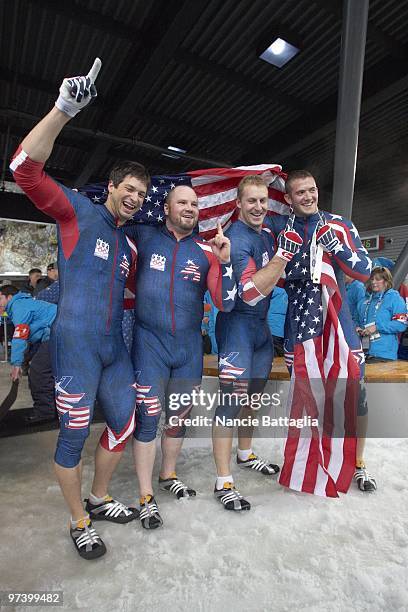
x: 152, y: 404
x: 216, y: 189
x: 325, y: 386
x: 191, y: 270
x: 227, y: 371
x: 78, y: 416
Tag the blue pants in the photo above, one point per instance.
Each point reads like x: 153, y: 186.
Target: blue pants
x: 86, y: 367
x: 245, y: 357
x: 166, y: 366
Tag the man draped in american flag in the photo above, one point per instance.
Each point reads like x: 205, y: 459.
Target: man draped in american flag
x: 322, y: 349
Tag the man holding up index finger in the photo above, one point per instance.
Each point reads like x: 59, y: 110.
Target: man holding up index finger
x: 88, y: 352
x: 175, y: 269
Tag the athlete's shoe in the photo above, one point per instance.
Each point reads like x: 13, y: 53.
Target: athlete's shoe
x: 364, y: 480
x: 175, y: 486
x: 259, y: 465
x: 111, y: 510
x: 231, y: 498
x: 149, y: 513
x: 87, y: 542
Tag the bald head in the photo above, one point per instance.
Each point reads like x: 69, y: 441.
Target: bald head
x: 181, y: 209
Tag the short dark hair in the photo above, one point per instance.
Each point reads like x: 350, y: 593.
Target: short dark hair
x: 8, y: 290
x: 34, y: 270
x: 294, y: 175
x: 126, y: 168
x: 52, y: 266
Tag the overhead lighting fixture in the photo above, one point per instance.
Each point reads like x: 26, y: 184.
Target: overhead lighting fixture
x: 170, y: 155
x: 279, y: 52
x: 176, y: 149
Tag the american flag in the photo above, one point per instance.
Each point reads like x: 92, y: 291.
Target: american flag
x: 325, y: 386
x: 216, y: 189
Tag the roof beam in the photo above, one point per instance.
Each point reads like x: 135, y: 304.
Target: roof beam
x: 178, y: 27
x: 395, y: 48
x: 242, y: 81
x: 85, y: 16
x: 381, y: 82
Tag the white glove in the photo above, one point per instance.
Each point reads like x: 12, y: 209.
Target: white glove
x: 77, y: 92
x: 289, y: 241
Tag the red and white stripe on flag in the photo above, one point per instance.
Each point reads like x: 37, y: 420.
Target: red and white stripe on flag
x: 216, y: 189
x: 325, y: 386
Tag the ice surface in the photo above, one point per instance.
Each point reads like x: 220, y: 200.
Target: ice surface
x: 290, y: 552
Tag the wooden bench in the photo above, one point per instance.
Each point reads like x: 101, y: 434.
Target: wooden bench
x: 387, y: 372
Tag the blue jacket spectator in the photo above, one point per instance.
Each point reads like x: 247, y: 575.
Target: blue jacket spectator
x: 355, y: 293
x: 32, y: 320
x: 212, y: 318
x: 382, y: 315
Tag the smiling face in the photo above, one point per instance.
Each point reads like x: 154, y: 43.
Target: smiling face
x: 126, y: 199
x: 253, y: 205
x: 303, y: 196
x: 181, y: 210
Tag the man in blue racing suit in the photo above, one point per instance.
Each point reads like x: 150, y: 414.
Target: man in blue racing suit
x: 245, y: 343
x: 175, y: 269
x: 88, y: 353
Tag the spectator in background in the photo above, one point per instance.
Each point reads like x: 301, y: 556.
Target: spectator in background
x: 276, y: 318
x: 43, y: 283
x: 382, y: 315
x: 32, y: 320
x: 34, y: 276
x: 211, y: 314
x: 355, y: 291
x: 205, y: 328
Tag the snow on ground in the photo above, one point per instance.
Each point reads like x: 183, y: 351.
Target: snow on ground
x: 291, y: 551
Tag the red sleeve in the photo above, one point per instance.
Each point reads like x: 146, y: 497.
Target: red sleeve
x: 130, y: 287
x: 47, y: 196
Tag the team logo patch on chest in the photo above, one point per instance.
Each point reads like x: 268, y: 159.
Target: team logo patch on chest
x: 265, y: 258
x: 158, y: 262
x: 191, y: 271
x: 101, y: 249
x: 124, y: 266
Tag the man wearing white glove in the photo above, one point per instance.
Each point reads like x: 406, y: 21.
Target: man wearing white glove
x: 88, y: 353
x: 244, y: 340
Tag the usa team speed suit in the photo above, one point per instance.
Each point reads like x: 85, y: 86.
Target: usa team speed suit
x: 351, y: 258
x: 171, y: 280
x: 245, y: 344
x: 88, y: 353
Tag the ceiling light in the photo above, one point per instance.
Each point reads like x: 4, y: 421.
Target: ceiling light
x: 176, y: 149
x: 279, y: 52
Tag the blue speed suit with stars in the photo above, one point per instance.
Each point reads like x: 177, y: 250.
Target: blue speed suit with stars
x: 245, y: 344
x: 172, y: 278
x: 349, y: 258
x: 89, y: 357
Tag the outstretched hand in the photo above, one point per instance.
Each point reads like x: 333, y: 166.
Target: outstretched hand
x: 77, y: 92
x: 221, y: 245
